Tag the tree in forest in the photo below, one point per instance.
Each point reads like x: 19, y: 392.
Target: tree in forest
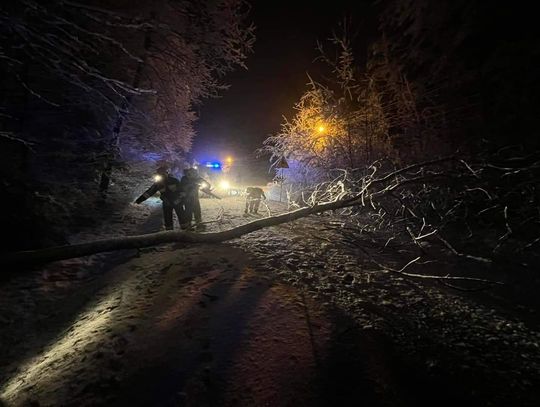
x: 406, y: 106
x: 437, y: 78
x: 470, y: 67
x: 339, y: 123
x: 147, y: 63
x: 88, y: 84
x: 440, y: 85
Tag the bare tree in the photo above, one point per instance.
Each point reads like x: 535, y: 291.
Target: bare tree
x: 148, y: 63
x: 89, y: 82
x: 340, y: 121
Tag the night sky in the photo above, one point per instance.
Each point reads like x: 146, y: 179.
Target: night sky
x: 237, y: 123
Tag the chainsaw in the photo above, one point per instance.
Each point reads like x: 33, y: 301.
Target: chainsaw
x: 207, y: 191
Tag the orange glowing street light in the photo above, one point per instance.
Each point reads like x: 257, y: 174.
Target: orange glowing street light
x: 228, y: 164
x: 321, y: 129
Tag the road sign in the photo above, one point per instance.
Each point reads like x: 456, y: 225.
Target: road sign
x: 282, y: 163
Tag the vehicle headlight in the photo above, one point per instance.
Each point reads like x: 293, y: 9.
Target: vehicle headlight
x: 224, y: 185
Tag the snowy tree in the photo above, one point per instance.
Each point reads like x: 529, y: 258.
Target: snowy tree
x: 339, y: 123
x: 461, y: 71
x: 147, y: 63
x: 91, y: 83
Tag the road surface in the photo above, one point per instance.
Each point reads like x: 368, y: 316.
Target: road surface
x: 265, y: 320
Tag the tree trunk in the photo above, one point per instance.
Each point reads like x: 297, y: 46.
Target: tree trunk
x: 40, y: 256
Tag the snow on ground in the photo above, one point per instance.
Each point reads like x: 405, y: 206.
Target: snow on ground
x: 289, y: 315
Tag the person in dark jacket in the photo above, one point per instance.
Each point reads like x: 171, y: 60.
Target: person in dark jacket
x: 191, y: 182
x: 253, y: 199
x: 171, y: 194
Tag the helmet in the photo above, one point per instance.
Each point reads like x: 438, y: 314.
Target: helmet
x: 191, y: 172
x: 162, y: 170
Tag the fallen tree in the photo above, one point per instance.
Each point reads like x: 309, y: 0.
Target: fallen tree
x: 30, y: 257
x: 319, y: 203
x: 422, y: 205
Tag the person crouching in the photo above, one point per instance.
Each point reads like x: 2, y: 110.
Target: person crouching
x: 253, y: 199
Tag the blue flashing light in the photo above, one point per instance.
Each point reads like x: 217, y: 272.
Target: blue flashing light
x: 215, y: 165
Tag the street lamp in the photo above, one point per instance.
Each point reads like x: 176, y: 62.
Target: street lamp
x: 228, y: 164
x: 319, y: 136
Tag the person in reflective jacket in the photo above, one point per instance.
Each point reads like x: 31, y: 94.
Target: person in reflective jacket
x: 190, y: 183
x: 253, y: 199
x: 170, y: 193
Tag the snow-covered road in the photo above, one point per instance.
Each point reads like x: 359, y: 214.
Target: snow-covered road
x: 285, y: 316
